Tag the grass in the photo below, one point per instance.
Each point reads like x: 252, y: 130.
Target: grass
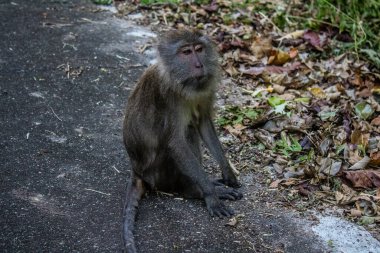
x: 361, y: 19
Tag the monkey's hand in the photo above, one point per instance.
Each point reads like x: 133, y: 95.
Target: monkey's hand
x: 224, y: 192
x: 216, y: 207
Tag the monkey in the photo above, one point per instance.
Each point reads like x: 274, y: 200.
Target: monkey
x: 167, y: 115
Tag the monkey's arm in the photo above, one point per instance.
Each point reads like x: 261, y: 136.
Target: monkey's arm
x: 190, y: 166
x: 212, y: 142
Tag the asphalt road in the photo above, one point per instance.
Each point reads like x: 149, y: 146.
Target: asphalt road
x: 65, y: 74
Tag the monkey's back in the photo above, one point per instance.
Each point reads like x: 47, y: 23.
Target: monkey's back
x: 146, y: 117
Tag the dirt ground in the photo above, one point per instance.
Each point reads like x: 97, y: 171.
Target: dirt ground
x: 66, y: 69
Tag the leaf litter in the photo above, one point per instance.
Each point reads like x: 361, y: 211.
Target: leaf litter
x: 290, y: 106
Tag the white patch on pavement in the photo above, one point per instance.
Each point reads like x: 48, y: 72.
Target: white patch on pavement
x: 344, y: 236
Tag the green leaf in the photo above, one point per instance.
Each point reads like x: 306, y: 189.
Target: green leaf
x: 275, y: 101
x: 325, y: 115
x: 303, y: 100
x: 103, y: 2
x: 366, y: 220
x: 372, y: 55
x: 280, y: 109
x: 363, y: 110
x: 295, y: 146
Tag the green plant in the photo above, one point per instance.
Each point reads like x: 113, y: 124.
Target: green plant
x: 102, y: 2
x: 233, y: 115
x: 359, y: 18
x: 288, y: 145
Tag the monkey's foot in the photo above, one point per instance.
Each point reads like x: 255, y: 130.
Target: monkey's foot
x: 224, y: 192
x: 229, y: 182
x: 216, y: 208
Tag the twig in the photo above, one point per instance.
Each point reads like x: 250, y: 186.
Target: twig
x: 108, y: 194
x: 55, y: 114
x: 114, y: 167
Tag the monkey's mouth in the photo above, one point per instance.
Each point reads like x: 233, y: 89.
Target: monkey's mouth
x: 196, y: 83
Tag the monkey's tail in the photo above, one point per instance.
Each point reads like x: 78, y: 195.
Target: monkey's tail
x: 135, y: 190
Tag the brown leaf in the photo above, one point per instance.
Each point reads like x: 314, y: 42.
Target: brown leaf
x: 255, y: 71
x: 293, y: 52
x: 366, y: 205
x: 375, y: 158
x: 275, y: 183
x: 238, y: 43
x: 317, y: 92
x: 293, y: 35
x: 355, y: 212
x: 363, y: 178
x: 359, y: 137
x: 376, y: 121
x: 212, y: 7
x: 230, y: 69
x: 236, y: 129
x: 278, y: 57
x: 316, y: 40
x: 261, y: 47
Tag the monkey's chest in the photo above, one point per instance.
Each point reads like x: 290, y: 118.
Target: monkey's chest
x: 194, y: 112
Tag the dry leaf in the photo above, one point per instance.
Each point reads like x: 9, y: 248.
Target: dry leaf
x: 278, y: 57
x: 293, y: 52
x: 275, y: 183
x: 363, y: 178
x: 293, y: 35
x: 317, y: 92
x: 360, y: 165
x: 375, y: 158
x: 261, y: 47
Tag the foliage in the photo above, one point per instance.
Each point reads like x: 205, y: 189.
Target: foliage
x: 102, y: 2
x: 360, y: 18
x: 234, y: 115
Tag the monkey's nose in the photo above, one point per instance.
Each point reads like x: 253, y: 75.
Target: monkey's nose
x: 198, y: 65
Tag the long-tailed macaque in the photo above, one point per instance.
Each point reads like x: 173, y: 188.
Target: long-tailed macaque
x: 167, y: 114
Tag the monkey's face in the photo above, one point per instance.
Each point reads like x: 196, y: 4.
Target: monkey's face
x: 190, y: 59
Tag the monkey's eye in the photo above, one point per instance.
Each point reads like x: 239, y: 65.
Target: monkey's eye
x: 198, y: 48
x: 186, y: 51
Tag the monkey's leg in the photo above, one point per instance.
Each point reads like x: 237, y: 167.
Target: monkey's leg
x: 190, y: 167
x: 135, y: 190
x: 212, y: 142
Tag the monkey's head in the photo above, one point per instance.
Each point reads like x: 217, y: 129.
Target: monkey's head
x: 190, y: 60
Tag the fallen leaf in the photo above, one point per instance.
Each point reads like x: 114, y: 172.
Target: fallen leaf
x: 375, y: 158
x: 317, y: 92
x: 366, y: 206
x: 363, y: 178
x: 376, y: 121
x: 360, y: 165
x: 261, y: 47
x: 275, y: 183
x: 255, y: 71
x: 293, y: 35
x: 278, y: 57
x: 232, y: 222
x: 359, y: 137
x: 363, y: 110
x: 318, y: 41
x: 293, y: 52
x: 355, y: 213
